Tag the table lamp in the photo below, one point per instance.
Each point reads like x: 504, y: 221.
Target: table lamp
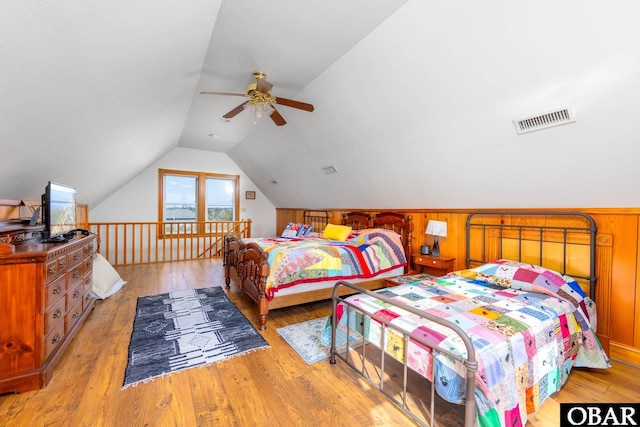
x: 436, y: 229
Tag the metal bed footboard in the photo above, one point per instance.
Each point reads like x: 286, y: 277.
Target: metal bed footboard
x: 470, y: 362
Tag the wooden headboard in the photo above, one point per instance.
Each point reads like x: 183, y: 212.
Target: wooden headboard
x: 398, y: 222
x: 562, y: 241
x: 357, y: 220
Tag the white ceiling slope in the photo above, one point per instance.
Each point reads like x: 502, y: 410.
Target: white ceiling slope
x: 92, y: 92
x: 414, y: 99
x: 419, y: 113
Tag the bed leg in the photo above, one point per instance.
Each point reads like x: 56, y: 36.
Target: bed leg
x: 263, y: 322
x: 227, y: 281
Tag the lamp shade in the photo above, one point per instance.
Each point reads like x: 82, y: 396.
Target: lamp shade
x: 437, y: 228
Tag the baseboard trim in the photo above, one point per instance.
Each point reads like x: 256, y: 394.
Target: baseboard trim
x: 624, y: 353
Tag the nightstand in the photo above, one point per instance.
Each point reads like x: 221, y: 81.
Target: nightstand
x: 433, y: 265
x: 407, y: 278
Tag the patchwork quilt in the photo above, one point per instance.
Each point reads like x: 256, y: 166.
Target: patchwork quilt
x: 529, y: 327
x: 364, y: 254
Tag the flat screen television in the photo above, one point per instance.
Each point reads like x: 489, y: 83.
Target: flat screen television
x: 58, y: 212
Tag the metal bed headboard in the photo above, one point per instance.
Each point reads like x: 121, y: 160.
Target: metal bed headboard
x: 318, y: 219
x: 589, y: 228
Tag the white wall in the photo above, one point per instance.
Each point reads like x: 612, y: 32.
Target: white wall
x: 137, y: 200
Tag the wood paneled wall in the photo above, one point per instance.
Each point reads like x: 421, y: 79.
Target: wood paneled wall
x: 617, y: 263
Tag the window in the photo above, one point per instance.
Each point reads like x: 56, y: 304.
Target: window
x: 196, y: 196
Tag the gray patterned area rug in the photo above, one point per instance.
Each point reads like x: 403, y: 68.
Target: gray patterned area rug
x: 182, y: 329
x: 312, y: 339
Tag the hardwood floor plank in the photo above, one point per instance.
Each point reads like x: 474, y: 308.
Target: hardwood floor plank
x: 267, y: 387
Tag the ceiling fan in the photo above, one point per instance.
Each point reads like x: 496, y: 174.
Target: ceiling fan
x: 261, y: 101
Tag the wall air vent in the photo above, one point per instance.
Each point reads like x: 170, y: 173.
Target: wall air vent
x: 328, y: 170
x: 543, y: 121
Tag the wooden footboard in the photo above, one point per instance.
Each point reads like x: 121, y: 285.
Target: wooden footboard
x: 232, y: 245
x: 246, y: 265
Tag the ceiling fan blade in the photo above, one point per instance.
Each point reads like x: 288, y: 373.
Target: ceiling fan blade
x: 222, y: 93
x: 263, y: 86
x: 235, y: 111
x: 294, y: 104
x: 277, y: 118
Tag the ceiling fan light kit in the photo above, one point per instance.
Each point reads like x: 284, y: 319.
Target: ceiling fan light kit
x: 261, y: 102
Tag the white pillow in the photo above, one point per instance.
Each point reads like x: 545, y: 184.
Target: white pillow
x: 106, y: 280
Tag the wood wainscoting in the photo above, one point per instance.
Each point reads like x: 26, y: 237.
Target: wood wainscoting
x: 617, y: 262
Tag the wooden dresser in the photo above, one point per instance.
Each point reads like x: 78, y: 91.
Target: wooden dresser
x: 45, y: 296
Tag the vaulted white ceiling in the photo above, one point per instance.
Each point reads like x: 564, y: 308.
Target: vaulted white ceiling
x: 414, y: 100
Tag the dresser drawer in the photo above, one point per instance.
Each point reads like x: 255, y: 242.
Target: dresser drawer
x: 73, y: 315
x: 53, y: 340
x: 88, y: 265
x: 54, y: 315
x: 87, y: 299
x: 87, y: 251
x: 88, y: 282
x: 75, y: 295
x: 74, y: 276
x: 434, y: 265
x: 54, y: 268
x: 54, y: 291
x: 429, y: 262
x: 75, y: 257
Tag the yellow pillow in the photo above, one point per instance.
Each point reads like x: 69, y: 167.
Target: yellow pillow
x: 336, y: 232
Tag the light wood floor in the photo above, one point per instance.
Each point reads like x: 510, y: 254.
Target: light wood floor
x: 273, y: 387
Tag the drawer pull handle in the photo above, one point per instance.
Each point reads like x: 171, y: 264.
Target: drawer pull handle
x: 434, y: 262
x: 76, y: 274
x: 56, y: 339
x: 57, y: 290
x: 75, y: 315
x: 57, y: 314
x: 76, y: 257
x: 62, y: 264
x: 76, y: 294
x: 52, y: 269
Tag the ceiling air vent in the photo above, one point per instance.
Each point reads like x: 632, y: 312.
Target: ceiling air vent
x: 543, y: 121
x: 328, y: 170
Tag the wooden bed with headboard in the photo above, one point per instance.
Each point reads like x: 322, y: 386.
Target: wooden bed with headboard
x: 246, y: 263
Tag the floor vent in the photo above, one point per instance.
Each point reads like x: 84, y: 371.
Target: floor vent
x: 543, y: 121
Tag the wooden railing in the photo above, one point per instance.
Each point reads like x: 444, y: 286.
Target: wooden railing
x: 127, y: 243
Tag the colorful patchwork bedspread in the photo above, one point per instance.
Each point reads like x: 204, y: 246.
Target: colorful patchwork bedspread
x: 529, y: 327
x: 364, y: 254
